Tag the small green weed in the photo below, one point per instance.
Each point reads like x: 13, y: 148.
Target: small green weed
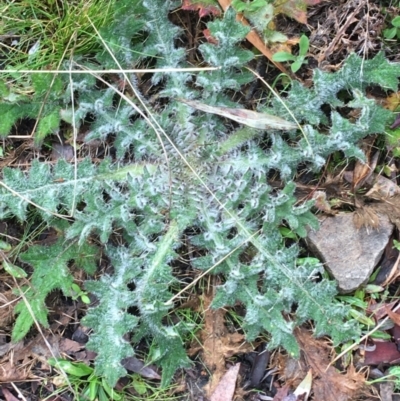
x: 77, y: 292
x: 297, y: 61
x: 393, y: 376
x: 393, y: 140
x: 394, y: 31
x: 87, y: 386
x: 396, y: 244
x: 359, y: 304
x: 82, y: 379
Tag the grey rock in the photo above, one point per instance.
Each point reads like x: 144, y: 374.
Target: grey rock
x: 348, y: 253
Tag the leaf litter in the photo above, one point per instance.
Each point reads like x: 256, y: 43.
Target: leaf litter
x: 328, y: 383
x: 217, y: 343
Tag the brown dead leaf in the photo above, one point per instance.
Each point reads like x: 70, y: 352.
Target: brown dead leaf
x: 382, y: 187
x: 69, y: 346
x: 378, y: 310
x: 296, y: 9
x: 8, y: 396
x: 395, y: 318
x: 226, y: 387
x: 218, y: 343
x: 9, y: 373
x: 65, y: 315
x: 204, y: 7
x: 8, y: 347
x: 282, y: 393
x: 136, y: 365
x: 329, y: 384
x: 362, y: 171
x: 37, y: 348
x: 85, y: 356
x: 384, y: 352
x: 392, y: 102
x: 6, y: 308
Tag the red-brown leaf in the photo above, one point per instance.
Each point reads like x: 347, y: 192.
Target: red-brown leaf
x: 385, y: 352
x: 296, y: 9
x: 204, y: 7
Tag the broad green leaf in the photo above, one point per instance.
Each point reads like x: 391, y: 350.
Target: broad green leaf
x: 78, y: 369
x: 304, y: 45
x: 15, y: 271
x: 396, y: 21
x: 283, y: 56
x: 5, y: 246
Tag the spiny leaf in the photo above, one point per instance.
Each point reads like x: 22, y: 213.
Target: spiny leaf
x: 57, y: 187
x: 48, y: 124
x: 51, y: 272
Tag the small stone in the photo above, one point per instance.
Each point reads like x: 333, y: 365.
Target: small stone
x: 349, y: 254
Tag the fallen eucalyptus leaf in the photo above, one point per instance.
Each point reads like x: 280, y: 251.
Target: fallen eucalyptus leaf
x: 247, y: 117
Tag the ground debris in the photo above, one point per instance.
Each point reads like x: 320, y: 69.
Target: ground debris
x: 342, y: 27
x: 328, y: 383
x: 226, y: 387
x: 217, y: 342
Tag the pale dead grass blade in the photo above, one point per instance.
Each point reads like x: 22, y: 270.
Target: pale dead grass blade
x: 20, y: 395
x: 114, y: 71
x: 75, y: 135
